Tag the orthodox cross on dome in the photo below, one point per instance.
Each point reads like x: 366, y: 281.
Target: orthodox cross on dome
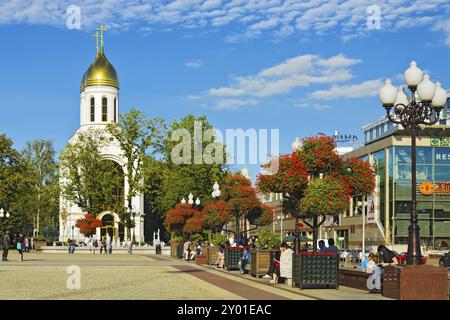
x: 96, y: 41
x: 102, y: 29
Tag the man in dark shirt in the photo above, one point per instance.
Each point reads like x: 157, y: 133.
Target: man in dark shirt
x: 331, y: 247
x: 6, y: 243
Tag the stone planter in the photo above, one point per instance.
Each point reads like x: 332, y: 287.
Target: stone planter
x: 38, y: 244
x: 201, y: 259
x: 316, y: 270
x: 422, y: 282
x: 232, y: 257
x: 211, y: 253
x: 176, y: 250
x: 260, y: 262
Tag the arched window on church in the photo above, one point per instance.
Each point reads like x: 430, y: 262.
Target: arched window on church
x: 115, y: 109
x: 104, y: 109
x: 92, y: 109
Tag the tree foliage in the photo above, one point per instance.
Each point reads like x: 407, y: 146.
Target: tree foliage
x: 315, y: 181
x: 89, y: 180
x: 88, y: 224
x: 41, y: 199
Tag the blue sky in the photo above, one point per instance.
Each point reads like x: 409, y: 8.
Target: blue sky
x: 302, y: 67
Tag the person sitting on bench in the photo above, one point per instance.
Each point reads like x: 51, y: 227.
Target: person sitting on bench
x: 386, y: 258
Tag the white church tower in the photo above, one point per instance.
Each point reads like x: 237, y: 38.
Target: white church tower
x: 99, y: 105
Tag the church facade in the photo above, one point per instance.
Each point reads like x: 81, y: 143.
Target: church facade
x: 99, y: 105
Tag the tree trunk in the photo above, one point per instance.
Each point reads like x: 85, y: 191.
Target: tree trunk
x: 209, y: 236
x: 297, y: 237
x: 238, y: 231
x: 315, y: 230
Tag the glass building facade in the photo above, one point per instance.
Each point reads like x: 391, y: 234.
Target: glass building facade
x: 393, y: 166
x: 388, y: 149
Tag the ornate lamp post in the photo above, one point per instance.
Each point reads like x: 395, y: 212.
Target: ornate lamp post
x: 411, y: 113
x: 191, y: 200
x: 3, y: 215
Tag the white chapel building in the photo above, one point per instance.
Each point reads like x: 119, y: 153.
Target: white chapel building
x: 99, y: 105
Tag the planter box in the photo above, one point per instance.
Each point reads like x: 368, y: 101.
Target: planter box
x: 316, y: 270
x: 39, y: 244
x: 260, y: 262
x: 211, y: 253
x: 201, y: 259
x: 353, y: 278
x: 422, y: 282
x: 232, y: 257
x: 176, y: 251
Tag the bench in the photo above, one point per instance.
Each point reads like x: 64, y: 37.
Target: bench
x: 353, y: 278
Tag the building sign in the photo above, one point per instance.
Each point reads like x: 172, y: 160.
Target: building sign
x: 371, y: 209
x: 438, y: 188
x: 373, y: 203
x: 442, y: 155
x: 439, y: 142
x: 344, y: 138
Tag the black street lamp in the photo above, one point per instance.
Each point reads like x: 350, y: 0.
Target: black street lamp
x: 411, y: 113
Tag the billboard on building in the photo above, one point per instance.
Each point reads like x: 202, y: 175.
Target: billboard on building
x: 373, y: 203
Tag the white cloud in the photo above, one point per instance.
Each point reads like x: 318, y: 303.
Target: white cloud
x: 249, y: 18
x: 364, y: 89
x: 300, y: 71
x: 194, y: 64
x: 286, y: 77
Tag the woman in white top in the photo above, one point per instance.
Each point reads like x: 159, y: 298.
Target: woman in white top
x: 286, y: 262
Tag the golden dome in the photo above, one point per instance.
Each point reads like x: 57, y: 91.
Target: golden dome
x: 100, y: 73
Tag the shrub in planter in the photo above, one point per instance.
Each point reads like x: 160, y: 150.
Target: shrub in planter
x: 219, y: 239
x: 176, y: 247
x: 268, y: 240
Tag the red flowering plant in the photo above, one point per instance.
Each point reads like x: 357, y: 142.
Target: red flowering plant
x: 318, y: 197
x: 261, y: 215
x: 319, y: 155
x: 241, y: 200
x: 176, y: 218
x: 216, y: 214
x: 88, y: 224
x: 360, y: 177
x: 194, y: 223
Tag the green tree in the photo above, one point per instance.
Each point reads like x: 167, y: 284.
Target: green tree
x: 138, y: 138
x: 90, y: 181
x: 41, y: 199
x: 198, y: 173
x: 13, y: 181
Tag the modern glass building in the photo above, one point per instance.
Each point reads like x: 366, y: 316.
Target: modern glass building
x: 388, y: 148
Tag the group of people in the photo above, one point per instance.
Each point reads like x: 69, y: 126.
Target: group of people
x: 105, y: 245
x: 22, y: 244
x: 190, y: 250
x: 375, y: 263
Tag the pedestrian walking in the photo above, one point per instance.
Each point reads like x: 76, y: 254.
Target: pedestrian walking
x: 19, y: 247
x: 109, y: 245
x: 6, y: 243
x: 103, y: 245
x: 276, y: 267
x: 27, y: 244
x: 95, y: 246
x: 130, y: 247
